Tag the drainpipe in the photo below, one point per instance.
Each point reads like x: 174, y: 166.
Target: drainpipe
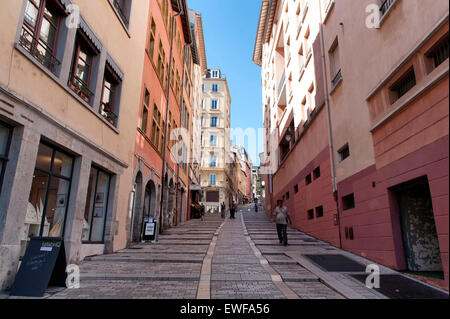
x: 330, y: 129
x: 163, y: 171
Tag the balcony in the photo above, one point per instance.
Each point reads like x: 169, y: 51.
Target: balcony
x: 39, y: 51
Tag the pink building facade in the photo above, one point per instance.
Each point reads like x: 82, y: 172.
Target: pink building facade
x: 378, y: 129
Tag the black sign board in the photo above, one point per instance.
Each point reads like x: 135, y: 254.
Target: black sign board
x: 150, y: 229
x: 44, y: 264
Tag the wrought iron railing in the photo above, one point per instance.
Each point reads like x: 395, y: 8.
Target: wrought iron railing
x: 39, y: 51
x: 80, y: 87
x: 109, y: 114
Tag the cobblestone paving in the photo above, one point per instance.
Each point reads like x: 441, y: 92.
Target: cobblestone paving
x: 235, y: 259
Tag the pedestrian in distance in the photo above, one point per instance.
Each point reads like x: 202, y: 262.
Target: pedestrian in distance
x: 232, y: 210
x: 202, y: 212
x: 282, y: 218
x: 256, y: 206
x: 222, y: 210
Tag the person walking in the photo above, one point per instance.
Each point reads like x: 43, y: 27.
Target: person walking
x: 202, y: 211
x: 282, y: 218
x: 232, y: 210
x: 256, y: 205
x: 222, y: 210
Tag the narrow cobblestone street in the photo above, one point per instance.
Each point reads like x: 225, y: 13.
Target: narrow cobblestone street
x: 215, y: 259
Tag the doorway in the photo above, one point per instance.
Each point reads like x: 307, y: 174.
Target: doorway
x: 418, y: 228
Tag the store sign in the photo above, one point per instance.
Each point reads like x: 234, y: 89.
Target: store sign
x: 150, y: 225
x: 44, y: 264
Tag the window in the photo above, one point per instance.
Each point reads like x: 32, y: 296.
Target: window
x: 156, y: 127
x: 288, y: 195
x: 385, y: 6
x: 344, y: 153
x: 348, y: 202
x: 202, y: 121
x: 123, y: 9
x: 214, y: 104
x: 215, y: 74
x: 50, y: 193
x: 161, y: 61
x: 335, y: 63
x: 403, y: 85
x: 40, y: 30
x: 145, y: 108
x: 110, y: 96
x: 212, y: 179
x: 310, y: 214
x: 308, y: 179
x: 316, y: 173
x: 203, y: 88
x: 439, y: 52
x: 213, y: 140
x: 213, y: 162
x: 5, y: 141
x: 83, y: 60
x: 296, y: 189
x: 215, y: 88
x: 319, y: 212
x: 214, y: 122
x: 152, y: 39
x: 96, y: 206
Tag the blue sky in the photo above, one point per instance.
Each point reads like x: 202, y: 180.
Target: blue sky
x: 230, y: 29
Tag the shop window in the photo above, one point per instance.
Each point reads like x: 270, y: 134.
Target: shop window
x: 348, y: 202
x: 344, y: 153
x: 5, y: 141
x: 310, y: 214
x: 319, y: 212
x: 80, y: 80
x: 49, y: 196
x: 110, y: 96
x: 96, y: 206
x: 40, y: 31
x: 403, y: 85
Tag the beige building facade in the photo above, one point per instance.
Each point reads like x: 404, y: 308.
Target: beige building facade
x: 215, y: 141
x: 68, y: 97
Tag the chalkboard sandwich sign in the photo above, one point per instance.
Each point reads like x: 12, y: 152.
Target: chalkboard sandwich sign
x: 44, y: 264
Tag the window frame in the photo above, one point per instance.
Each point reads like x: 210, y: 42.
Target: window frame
x: 4, y: 159
x: 89, y: 241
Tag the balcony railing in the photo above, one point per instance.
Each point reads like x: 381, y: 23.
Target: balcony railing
x: 386, y: 5
x: 80, y: 88
x: 42, y: 54
x: 281, y: 84
x: 109, y: 114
